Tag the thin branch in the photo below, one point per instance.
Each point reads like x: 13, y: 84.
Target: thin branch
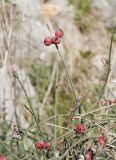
x: 34, y: 116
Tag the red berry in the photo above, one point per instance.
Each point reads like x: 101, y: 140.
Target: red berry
x: 2, y: 157
x: 43, y: 145
x: 48, y: 41
x: 40, y: 145
x: 102, y: 140
x: 89, y: 155
x: 56, y: 40
x: 59, y: 33
x: 48, y: 146
x: 80, y: 129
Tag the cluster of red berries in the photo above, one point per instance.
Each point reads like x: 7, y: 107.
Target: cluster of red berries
x: 43, y: 145
x: 2, y: 157
x: 89, y: 154
x: 81, y: 129
x: 54, y: 40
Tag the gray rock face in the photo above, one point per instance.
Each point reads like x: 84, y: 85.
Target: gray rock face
x: 62, y: 3
x: 6, y: 99
x: 106, y: 9
x: 29, y: 8
x: 10, y: 94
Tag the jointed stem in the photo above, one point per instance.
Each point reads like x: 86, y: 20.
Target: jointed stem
x: 55, y: 104
x: 68, y: 75
x: 109, y: 67
x: 32, y: 111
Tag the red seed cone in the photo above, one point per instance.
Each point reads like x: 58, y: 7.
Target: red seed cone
x: 48, y: 146
x: 56, y: 40
x: 59, y: 33
x: 41, y: 145
x: 89, y: 155
x: 102, y: 140
x: 81, y: 129
x: 48, y: 41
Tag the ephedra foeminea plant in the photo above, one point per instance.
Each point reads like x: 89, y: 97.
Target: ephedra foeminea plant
x: 85, y: 135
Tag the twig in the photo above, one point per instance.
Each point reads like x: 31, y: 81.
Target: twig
x: 109, y: 67
x: 54, y: 125
x: 74, y: 109
x: 34, y: 116
x: 68, y: 75
x: 55, y: 104
x: 30, y: 155
x: 83, y: 115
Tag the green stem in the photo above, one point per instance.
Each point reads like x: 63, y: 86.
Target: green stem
x: 33, y: 114
x: 55, y: 106
x: 109, y: 67
x: 68, y: 75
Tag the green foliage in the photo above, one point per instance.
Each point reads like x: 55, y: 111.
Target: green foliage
x: 86, y: 54
x: 7, y: 1
x: 83, y: 6
x: 83, y: 13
